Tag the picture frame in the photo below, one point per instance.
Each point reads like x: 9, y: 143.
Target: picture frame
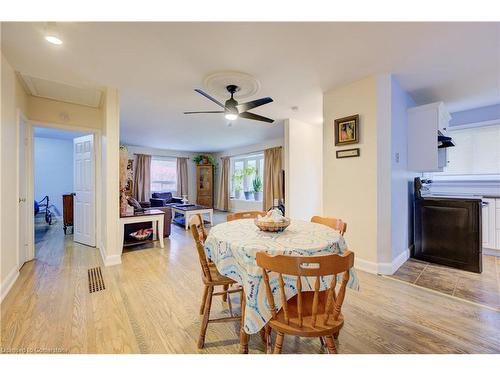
x: 346, y: 130
x: 349, y: 153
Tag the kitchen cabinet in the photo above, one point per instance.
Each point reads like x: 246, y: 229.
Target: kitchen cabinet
x: 424, y: 122
x: 488, y: 218
x: 491, y: 223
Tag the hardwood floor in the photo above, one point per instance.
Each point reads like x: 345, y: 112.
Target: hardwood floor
x: 151, y: 305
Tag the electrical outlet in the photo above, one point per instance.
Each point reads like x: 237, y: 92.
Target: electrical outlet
x: 397, y: 157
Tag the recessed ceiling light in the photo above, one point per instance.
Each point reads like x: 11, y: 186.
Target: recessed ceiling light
x: 51, y: 34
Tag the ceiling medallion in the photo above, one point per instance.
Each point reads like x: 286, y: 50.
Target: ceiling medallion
x: 216, y: 84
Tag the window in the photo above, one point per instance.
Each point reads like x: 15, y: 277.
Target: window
x: 476, y: 151
x: 246, y: 169
x: 163, y: 174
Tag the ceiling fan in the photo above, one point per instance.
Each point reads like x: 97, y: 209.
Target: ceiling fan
x: 233, y: 110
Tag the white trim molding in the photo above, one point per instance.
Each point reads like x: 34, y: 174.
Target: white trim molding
x: 109, y: 260
x: 8, y: 283
x: 382, y: 268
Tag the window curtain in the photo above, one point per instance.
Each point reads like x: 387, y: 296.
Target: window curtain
x: 273, y: 184
x: 223, y: 194
x: 182, y: 177
x: 142, y: 178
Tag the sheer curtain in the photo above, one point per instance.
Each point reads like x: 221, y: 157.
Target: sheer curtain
x: 182, y: 177
x: 142, y: 178
x: 273, y: 184
x: 223, y: 195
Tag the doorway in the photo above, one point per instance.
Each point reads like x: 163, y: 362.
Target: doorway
x: 64, y: 189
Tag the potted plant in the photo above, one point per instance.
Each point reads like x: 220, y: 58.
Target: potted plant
x: 238, y: 177
x: 248, y: 172
x: 257, y: 188
x: 204, y: 159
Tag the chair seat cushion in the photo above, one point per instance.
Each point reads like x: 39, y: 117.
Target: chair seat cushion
x: 307, y: 329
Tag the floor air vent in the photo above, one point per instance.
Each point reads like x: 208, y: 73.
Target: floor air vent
x: 96, y: 282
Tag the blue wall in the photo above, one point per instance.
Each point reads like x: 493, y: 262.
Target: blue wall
x: 491, y: 112
x: 53, y: 169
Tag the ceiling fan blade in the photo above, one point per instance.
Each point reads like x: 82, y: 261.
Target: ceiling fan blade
x: 253, y: 116
x: 209, y: 97
x: 254, y: 103
x: 195, y: 112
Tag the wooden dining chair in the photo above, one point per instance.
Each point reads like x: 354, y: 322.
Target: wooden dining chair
x: 331, y: 222
x: 309, y: 313
x: 245, y: 215
x: 211, y: 279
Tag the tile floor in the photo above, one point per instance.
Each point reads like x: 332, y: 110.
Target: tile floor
x: 481, y: 288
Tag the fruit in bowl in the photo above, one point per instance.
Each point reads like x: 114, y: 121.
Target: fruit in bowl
x: 274, y: 221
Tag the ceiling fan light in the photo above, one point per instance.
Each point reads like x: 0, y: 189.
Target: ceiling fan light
x: 231, y: 116
x: 52, y: 34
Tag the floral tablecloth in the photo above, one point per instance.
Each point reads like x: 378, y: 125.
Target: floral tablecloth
x: 233, y: 246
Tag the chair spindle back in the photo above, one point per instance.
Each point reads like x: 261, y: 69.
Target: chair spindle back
x: 199, y: 235
x: 245, y: 215
x: 318, y: 266
x: 331, y: 222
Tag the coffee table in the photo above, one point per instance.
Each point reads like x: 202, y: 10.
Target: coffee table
x: 187, y: 210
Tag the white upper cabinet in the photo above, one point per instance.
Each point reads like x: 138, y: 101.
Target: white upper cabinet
x: 423, y: 124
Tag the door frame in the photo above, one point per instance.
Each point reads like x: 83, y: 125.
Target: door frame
x: 30, y: 124
x: 20, y: 116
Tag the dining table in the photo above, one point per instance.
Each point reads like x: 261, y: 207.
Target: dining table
x: 232, y: 246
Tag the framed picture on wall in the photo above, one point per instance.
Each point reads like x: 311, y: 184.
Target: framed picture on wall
x: 346, y: 130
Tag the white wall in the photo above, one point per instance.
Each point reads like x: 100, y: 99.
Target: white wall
x: 371, y: 192
x: 303, y: 161
x: 350, y: 184
x: 401, y: 178
x: 110, y: 181
x: 241, y: 205
x: 53, y: 170
x: 132, y: 150
x: 12, y: 99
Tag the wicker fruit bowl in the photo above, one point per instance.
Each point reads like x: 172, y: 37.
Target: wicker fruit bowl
x: 267, y: 226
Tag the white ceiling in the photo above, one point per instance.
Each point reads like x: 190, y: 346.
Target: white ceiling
x: 43, y: 132
x: 156, y: 66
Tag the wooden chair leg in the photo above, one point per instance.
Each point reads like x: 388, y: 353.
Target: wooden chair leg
x: 269, y: 345
x: 203, y: 300
x: 322, y: 341
x: 206, y: 316
x: 224, y: 297
x: 243, y: 334
x: 330, y: 344
x: 278, y: 345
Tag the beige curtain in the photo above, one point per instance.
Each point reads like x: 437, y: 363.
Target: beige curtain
x: 273, y: 182
x: 142, y: 178
x: 182, y: 177
x: 223, y: 194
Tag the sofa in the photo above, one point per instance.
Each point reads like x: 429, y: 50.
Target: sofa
x: 167, y: 219
x: 164, y: 199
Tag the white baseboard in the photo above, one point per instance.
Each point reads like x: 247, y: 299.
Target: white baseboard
x: 8, y: 283
x: 382, y: 268
x: 494, y: 252
x: 109, y: 260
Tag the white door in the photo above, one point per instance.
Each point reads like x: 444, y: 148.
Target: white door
x: 84, y: 186
x: 23, y: 192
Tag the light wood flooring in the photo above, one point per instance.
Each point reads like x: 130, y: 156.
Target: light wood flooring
x: 151, y: 303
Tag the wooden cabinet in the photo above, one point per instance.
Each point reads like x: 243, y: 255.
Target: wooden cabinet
x: 67, y: 211
x: 491, y: 223
x: 205, y: 185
